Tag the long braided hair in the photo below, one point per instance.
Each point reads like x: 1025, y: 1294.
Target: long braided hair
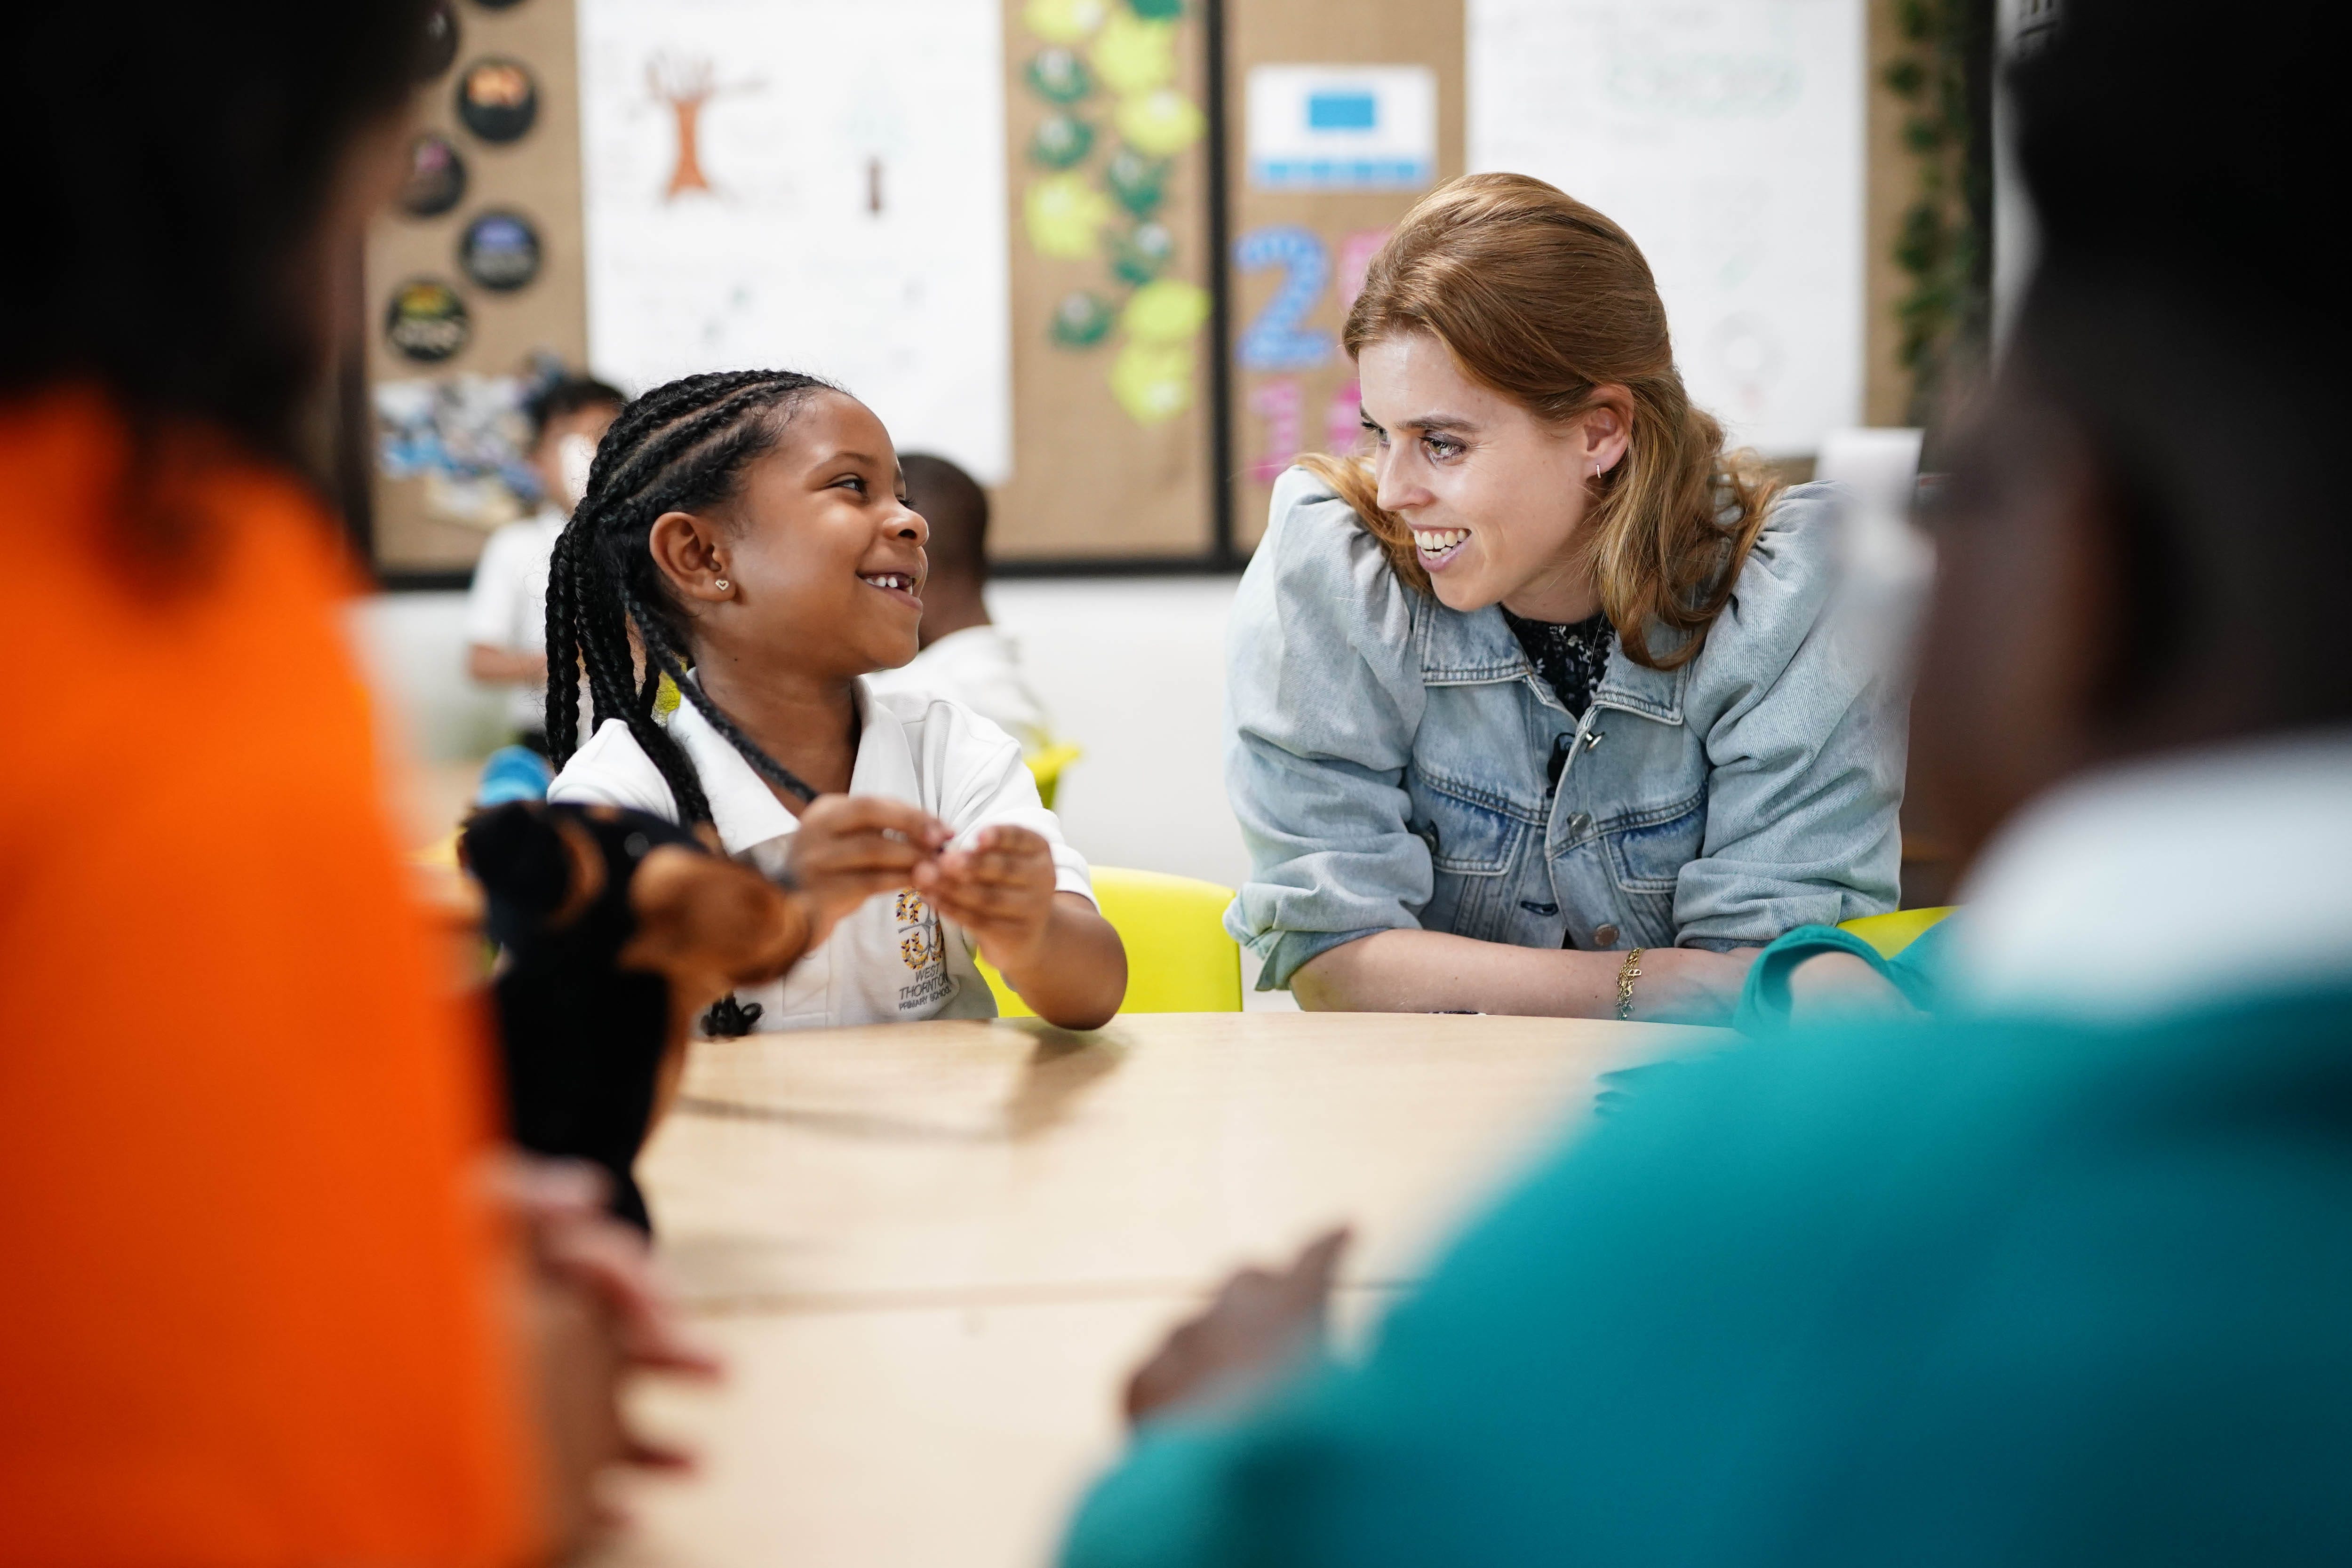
x: 682, y: 446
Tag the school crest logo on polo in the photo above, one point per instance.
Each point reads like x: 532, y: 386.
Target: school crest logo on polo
x: 923, y: 946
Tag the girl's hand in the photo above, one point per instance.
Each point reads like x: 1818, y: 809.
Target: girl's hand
x: 1000, y: 888
x: 851, y: 847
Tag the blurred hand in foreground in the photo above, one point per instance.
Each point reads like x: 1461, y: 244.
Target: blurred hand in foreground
x: 1259, y: 1324
x: 596, y: 1311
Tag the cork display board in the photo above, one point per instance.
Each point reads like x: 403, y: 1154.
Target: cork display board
x: 474, y: 284
x: 1340, y: 118
x: 1105, y: 106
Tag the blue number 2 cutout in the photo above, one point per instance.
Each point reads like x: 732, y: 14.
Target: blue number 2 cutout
x: 1274, y: 341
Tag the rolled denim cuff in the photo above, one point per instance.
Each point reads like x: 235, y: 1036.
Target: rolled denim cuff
x: 1289, y: 951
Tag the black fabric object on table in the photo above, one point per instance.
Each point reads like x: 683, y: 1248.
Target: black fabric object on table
x: 1571, y: 657
x: 583, y: 1039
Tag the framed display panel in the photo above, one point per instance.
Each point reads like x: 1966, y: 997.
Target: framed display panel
x: 473, y: 286
x: 1109, y: 147
x: 1339, y: 117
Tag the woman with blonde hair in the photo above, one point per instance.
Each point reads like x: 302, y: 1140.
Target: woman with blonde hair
x: 1536, y: 710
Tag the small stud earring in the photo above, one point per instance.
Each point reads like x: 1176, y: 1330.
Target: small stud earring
x: 720, y: 585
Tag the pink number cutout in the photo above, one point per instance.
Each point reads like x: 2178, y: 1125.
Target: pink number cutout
x: 1279, y: 402
x: 1343, y: 420
x: 1356, y: 253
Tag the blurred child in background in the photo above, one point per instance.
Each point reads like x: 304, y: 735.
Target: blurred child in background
x: 747, y: 536
x: 506, y: 611
x: 964, y: 656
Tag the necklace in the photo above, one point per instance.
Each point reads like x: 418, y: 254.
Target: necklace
x: 1571, y: 657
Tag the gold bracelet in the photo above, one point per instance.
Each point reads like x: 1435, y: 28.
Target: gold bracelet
x: 1630, y: 972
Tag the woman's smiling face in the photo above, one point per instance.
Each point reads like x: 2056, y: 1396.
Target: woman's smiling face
x: 1495, y: 495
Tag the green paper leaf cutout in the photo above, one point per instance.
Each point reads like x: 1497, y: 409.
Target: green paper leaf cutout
x: 1082, y: 319
x: 1138, y: 183
x: 1061, y: 140
x: 1058, y: 76
x: 1142, y: 252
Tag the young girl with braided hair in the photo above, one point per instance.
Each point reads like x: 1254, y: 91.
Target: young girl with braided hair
x: 745, y: 534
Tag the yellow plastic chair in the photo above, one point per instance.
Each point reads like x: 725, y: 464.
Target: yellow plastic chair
x: 1178, y: 958
x: 1890, y: 934
x: 1046, y: 766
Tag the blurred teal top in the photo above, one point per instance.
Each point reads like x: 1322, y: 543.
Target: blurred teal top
x: 1977, y: 1292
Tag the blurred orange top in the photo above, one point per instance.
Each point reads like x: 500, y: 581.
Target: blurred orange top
x: 254, y: 1311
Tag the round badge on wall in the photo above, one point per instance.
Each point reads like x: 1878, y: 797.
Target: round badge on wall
x: 497, y: 99
x: 426, y: 320
x: 500, y: 250
x: 437, y: 177
x: 440, y: 41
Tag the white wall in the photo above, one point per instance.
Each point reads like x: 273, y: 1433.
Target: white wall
x: 1134, y: 671
x: 414, y: 648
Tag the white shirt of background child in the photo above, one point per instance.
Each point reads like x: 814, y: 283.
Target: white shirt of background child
x: 980, y: 667
x: 893, y: 959
x: 508, y: 606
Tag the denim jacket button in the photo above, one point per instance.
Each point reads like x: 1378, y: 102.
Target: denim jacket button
x: 1605, y: 937
x: 1578, y: 825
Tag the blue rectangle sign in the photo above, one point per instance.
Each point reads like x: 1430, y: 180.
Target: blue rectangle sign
x: 1342, y: 111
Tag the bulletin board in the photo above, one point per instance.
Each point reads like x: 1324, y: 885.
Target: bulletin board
x: 474, y: 284
x: 1316, y: 185
x: 1108, y: 188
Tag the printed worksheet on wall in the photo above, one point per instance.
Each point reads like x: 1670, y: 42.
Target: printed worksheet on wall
x: 1728, y: 139
x: 808, y: 184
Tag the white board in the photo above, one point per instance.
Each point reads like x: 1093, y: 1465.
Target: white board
x: 1727, y: 137
x: 808, y: 184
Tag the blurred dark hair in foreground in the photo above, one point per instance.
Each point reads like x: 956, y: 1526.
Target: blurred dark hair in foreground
x: 2184, y: 165
x: 174, y: 164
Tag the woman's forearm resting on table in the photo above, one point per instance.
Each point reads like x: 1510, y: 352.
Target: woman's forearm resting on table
x: 1435, y: 971
x: 1075, y: 976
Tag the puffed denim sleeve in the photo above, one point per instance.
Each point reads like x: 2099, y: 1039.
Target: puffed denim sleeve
x: 1801, y: 701
x: 1323, y: 698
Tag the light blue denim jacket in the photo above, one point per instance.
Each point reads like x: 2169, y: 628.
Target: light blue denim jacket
x: 1388, y: 759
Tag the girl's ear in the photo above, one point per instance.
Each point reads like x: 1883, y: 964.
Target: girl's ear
x: 687, y: 551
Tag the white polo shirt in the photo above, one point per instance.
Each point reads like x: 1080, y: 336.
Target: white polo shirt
x: 892, y: 958
x: 507, y: 607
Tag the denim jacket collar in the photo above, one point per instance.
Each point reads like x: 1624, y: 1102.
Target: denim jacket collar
x: 1475, y: 647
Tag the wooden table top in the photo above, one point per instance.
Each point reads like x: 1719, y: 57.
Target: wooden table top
x: 933, y: 1251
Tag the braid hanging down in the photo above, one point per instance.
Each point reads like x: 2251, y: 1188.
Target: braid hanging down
x: 682, y: 446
